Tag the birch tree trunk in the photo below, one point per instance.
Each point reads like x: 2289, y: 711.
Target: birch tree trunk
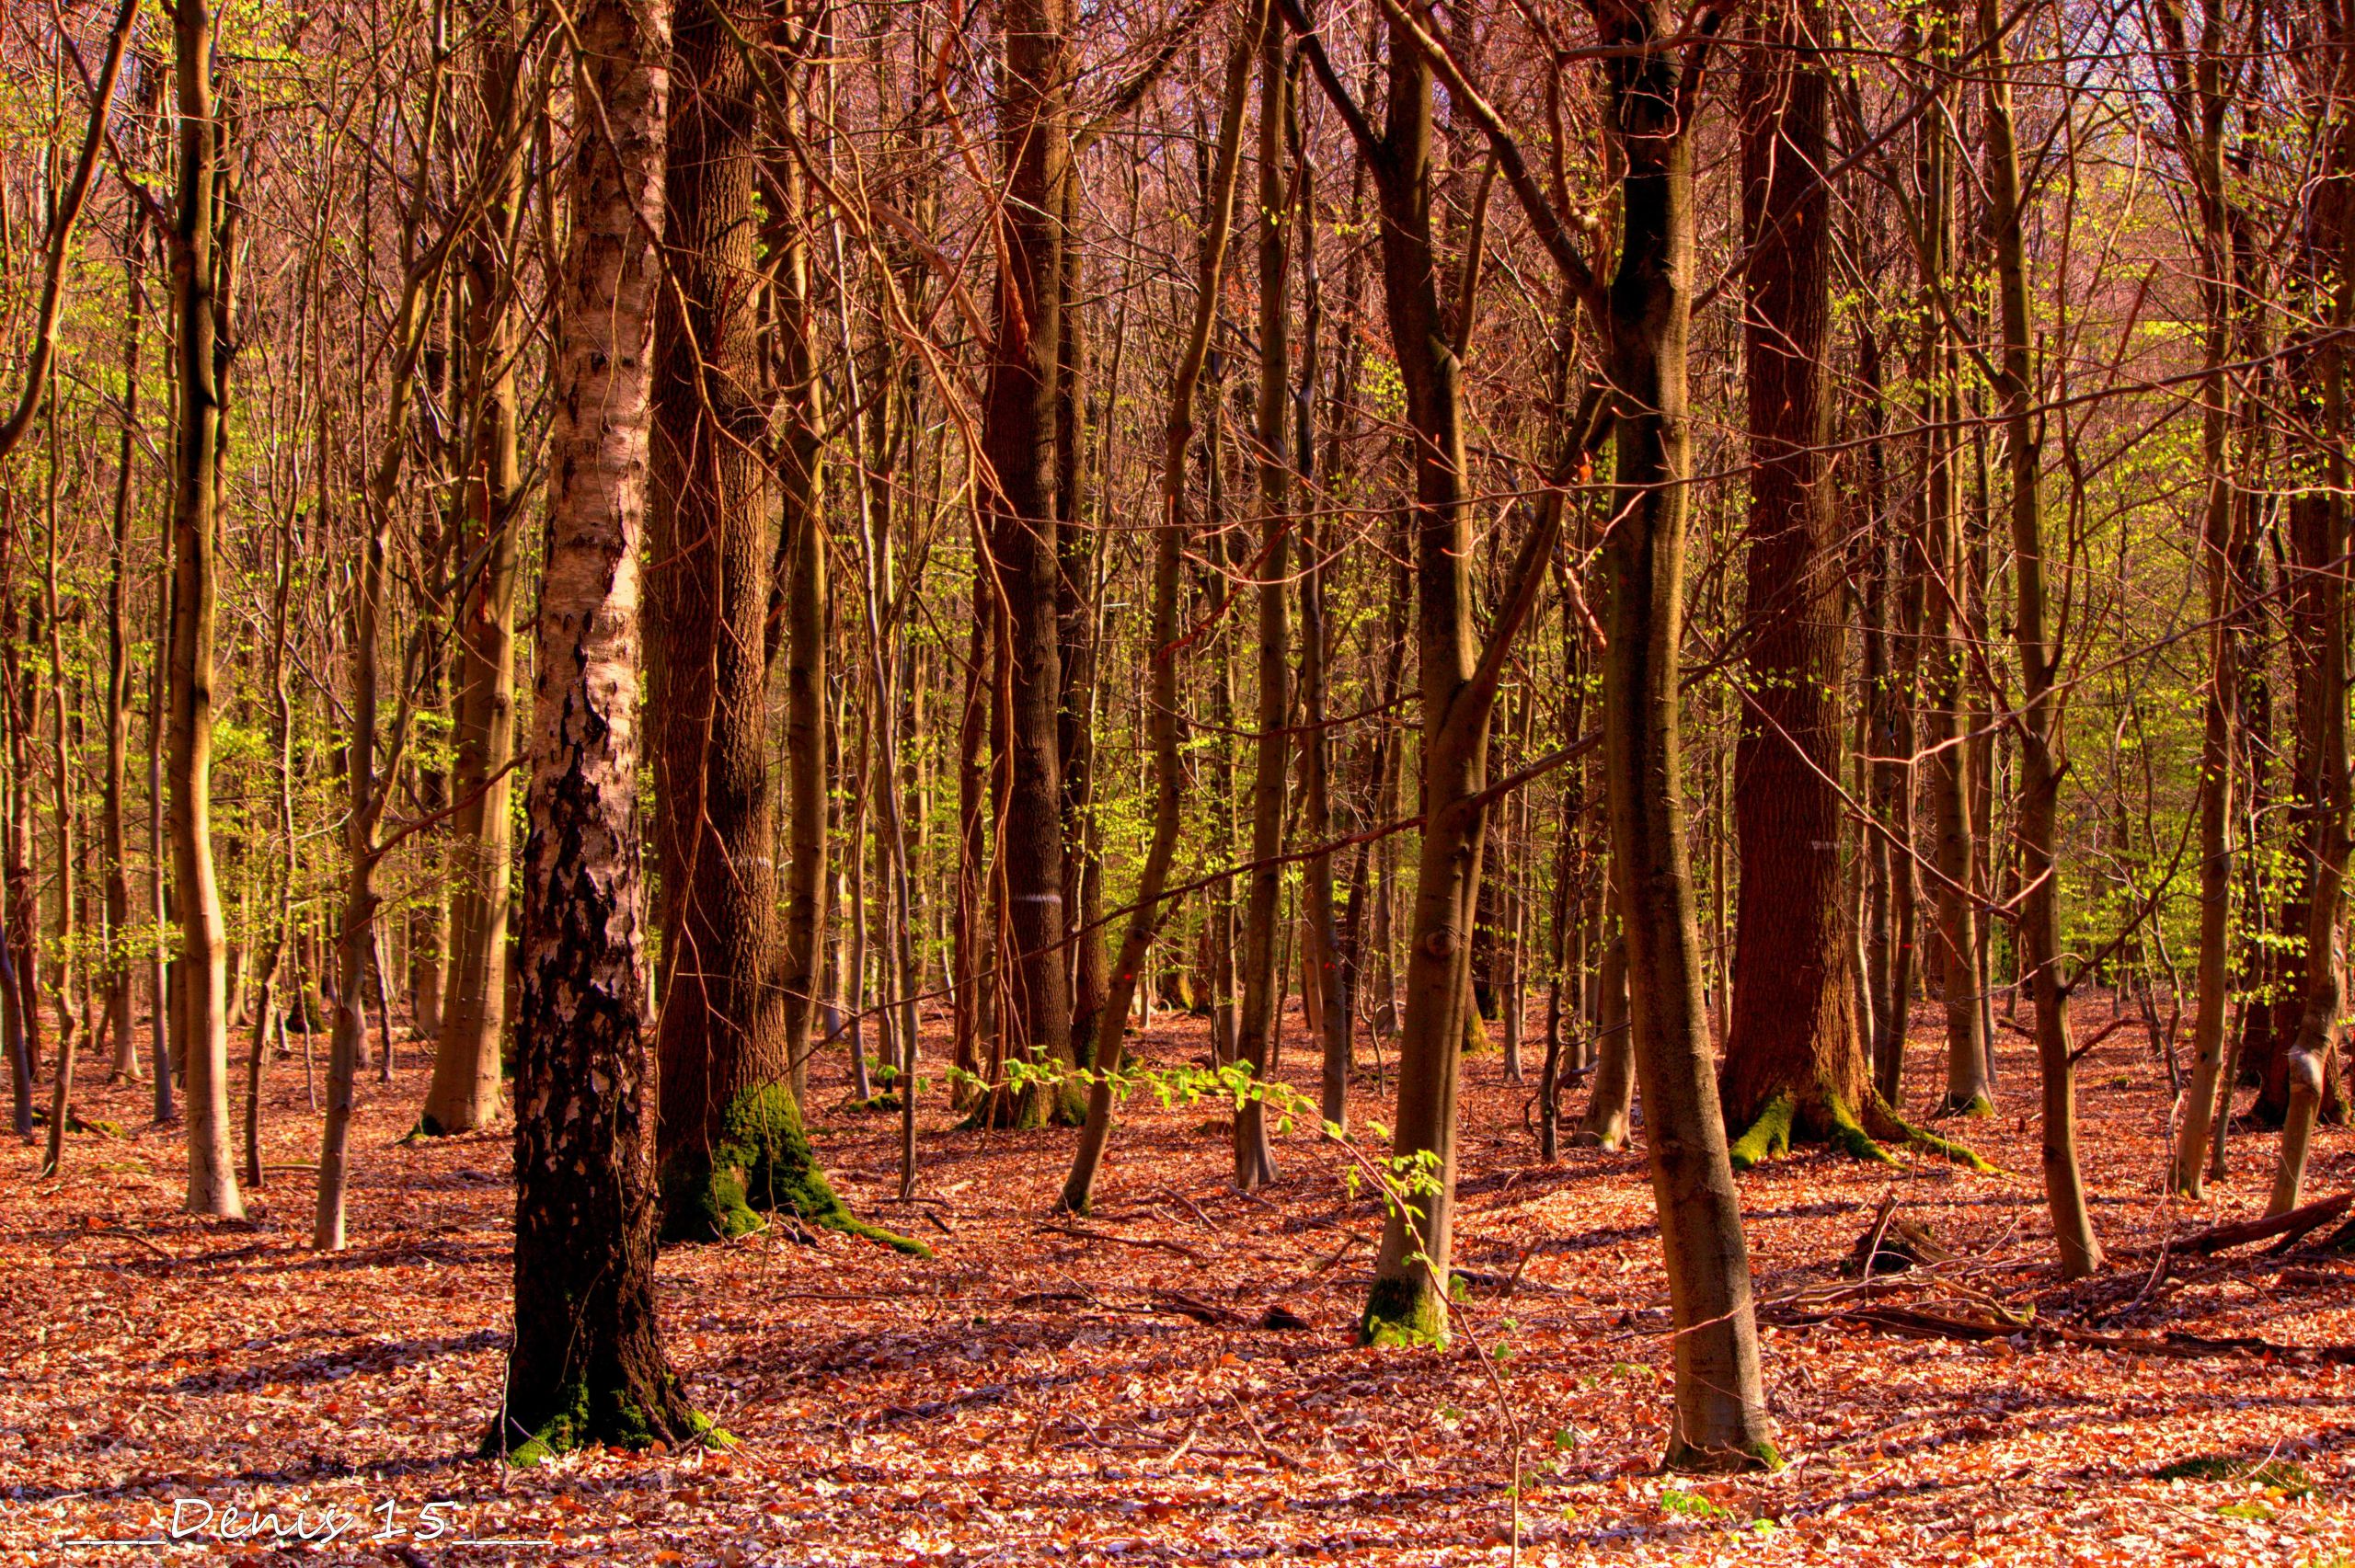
x: 587, y: 1363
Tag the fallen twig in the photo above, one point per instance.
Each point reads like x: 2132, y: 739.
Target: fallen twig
x: 1197, y: 1259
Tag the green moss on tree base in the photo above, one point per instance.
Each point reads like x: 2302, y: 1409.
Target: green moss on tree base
x: 1977, y: 1106
x: 1402, y: 1312
x: 611, y: 1417
x: 1740, y: 1457
x: 1850, y: 1134
x: 761, y: 1162
x: 1767, y: 1137
x: 1771, y: 1133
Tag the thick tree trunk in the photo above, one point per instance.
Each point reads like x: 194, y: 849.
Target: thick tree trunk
x: 2319, y: 533
x: 202, y: 993
x: 1794, y: 1063
x: 2318, y: 541
x: 587, y: 1363
x: 727, y: 1139
x: 1018, y: 440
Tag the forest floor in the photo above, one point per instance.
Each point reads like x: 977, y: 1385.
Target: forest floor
x: 1103, y: 1392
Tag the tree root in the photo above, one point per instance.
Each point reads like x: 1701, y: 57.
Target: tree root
x: 1771, y: 1134
x: 1898, y: 1130
x: 1691, y: 1459
x: 763, y: 1162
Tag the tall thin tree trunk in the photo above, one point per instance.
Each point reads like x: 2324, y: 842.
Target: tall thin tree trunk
x: 1147, y: 910
x: 1323, y: 981
x: 118, y: 689
x: 1264, y: 980
x: 372, y: 762
x: 464, y: 1091
x: 801, y: 624
x: 63, y: 816
x: 203, y: 1033
x: 2039, y: 727
x: 1077, y: 549
x: 2202, y: 109
x: 1720, y: 1417
x: 1945, y: 579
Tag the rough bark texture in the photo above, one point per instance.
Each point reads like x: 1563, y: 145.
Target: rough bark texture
x: 1794, y: 1032
x: 1018, y: 440
x: 587, y: 1363
x: 723, y: 1026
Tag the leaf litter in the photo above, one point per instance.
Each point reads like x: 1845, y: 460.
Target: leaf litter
x: 1172, y: 1379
